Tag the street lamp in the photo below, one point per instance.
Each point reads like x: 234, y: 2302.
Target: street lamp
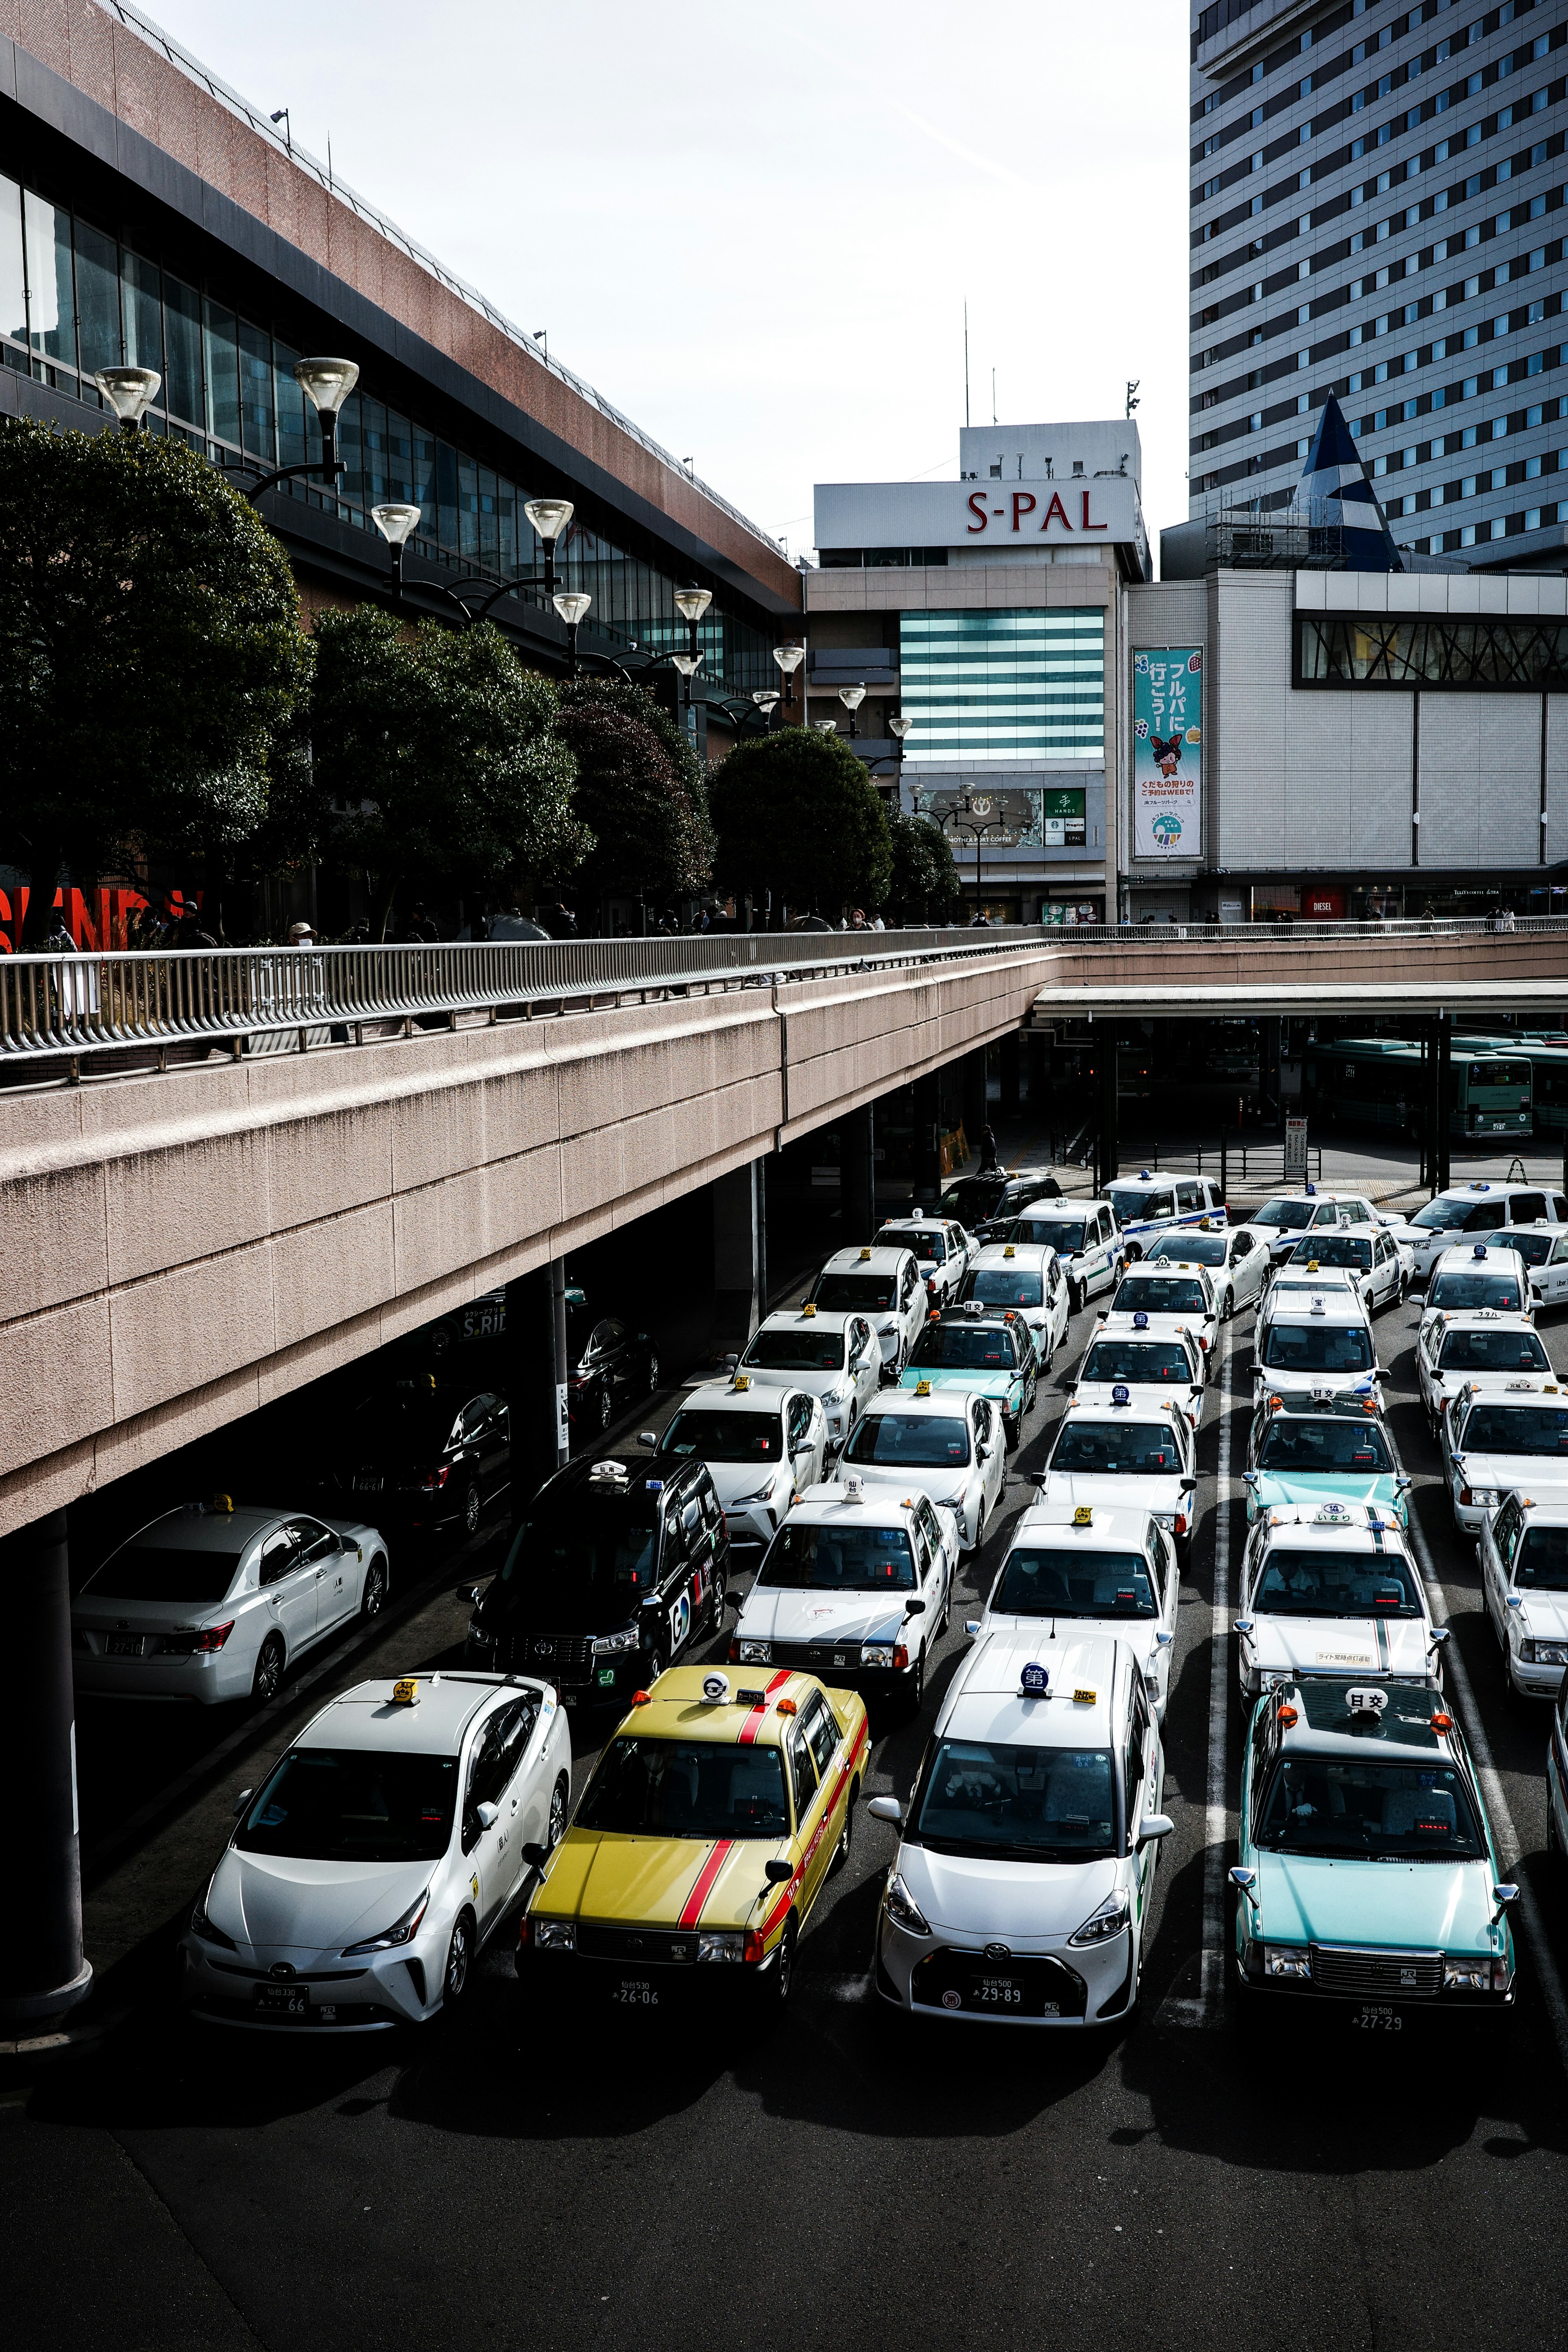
x: 396, y: 524
x: 128, y: 391
x: 852, y: 697
x: 897, y: 729
x: 326, y: 384
x: 825, y: 727
x: 550, y: 519
x: 572, y: 604
x: 789, y: 659
x: 767, y: 702
x: 973, y: 815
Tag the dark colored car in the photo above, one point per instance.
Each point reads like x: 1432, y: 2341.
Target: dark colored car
x: 608, y: 1365
x: 614, y: 1575
x: 422, y: 1454
x: 988, y: 1203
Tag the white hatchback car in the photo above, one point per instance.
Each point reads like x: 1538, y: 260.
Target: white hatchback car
x: 1151, y: 1204
x: 1132, y: 1457
x: 763, y: 1446
x: 1024, y: 1276
x: 1369, y: 1256
x: 213, y: 1603
x: 1019, y: 1894
x: 949, y: 1446
x: 1466, y: 1211
x: 1091, y: 1569
x: 1544, y: 1250
x: 1282, y: 1219
x: 1176, y: 1290
x: 1524, y: 1581
x: 1155, y: 1359
x: 1234, y: 1261
x: 942, y: 1248
x: 1497, y: 1445
x: 1485, y: 1350
x: 1332, y: 1589
x: 379, y: 1854
x: 883, y: 1284
x: 833, y: 1357
x: 1318, y: 1343
x: 1479, y: 1273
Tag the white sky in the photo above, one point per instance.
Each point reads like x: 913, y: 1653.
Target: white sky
x: 754, y: 229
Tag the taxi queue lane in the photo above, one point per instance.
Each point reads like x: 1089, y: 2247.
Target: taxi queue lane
x: 1134, y: 2173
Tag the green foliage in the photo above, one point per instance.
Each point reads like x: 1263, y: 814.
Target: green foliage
x: 796, y: 813
x: 687, y: 851
x: 925, y: 887
x: 149, y: 652
x: 437, y: 754
x: 643, y: 825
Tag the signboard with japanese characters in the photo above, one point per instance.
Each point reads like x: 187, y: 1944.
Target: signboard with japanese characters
x: 1167, y: 752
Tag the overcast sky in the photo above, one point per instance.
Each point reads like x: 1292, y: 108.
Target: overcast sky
x: 755, y: 229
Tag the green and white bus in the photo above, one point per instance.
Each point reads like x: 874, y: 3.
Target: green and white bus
x: 1548, y: 1059
x: 1382, y: 1082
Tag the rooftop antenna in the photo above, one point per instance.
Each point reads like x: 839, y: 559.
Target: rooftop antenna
x: 542, y: 337
x: 966, y: 364
x: 282, y: 116
x: 993, y: 395
x: 1134, y: 383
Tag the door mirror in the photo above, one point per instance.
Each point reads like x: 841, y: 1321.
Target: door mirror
x: 778, y: 1873
x: 1163, y: 1640
x: 1155, y: 1825
x: 885, y: 1808
x: 647, y: 1437
x: 241, y: 1801
x: 1189, y: 1485
x: 983, y: 1451
x: 1440, y: 1634
x: 536, y: 1856
x: 736, y: 1600
x: 914, y: 1609
x: 487, y: 1815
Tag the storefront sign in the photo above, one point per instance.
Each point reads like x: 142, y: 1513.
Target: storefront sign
x: 1167, y: 752
x: 1321, y: 905
x: 1017, y: 816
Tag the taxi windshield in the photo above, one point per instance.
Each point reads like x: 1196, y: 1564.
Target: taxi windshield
x: 1440, y: 1216
x: 686, y: 1789
x: 725, y: 1436
x: 849, y: 1558
x: 1334, y: 1249
x: 1326, y: 1583
x: 1533, y: 1248
x: 596, y: 1556
x: 805, y: 1351
x: 1073, y: 1583
x: 1291, y: 1444
x: 1405, y: 1810
x: 1132, y: 1201
x: 1160, y: 1293
x: 1151, y: 1361
x: 1001, y: 1286
x: 1467, y: 1290
x: 963, y: 1347
x: 1318, y: 1347
x: 1142, y: 1446
x: 1493, y: 1351
x: 1286, y: 1216
x: 1199, y: 1249
x: 1517, y: 1429
x: 917, y: 1440
x: 852, y: 1293
x: 1543, y: 1562
x: 923, y: 1242
x: 1064, y: 1234
x: 354, y: 1804
x: 1033, y: 1804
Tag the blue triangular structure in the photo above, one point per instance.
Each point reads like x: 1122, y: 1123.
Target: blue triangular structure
x: 1335, y: 488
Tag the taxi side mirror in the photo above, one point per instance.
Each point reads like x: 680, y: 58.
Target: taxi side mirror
x: 647, y: 1437
x: 885, y: 1808
x: 241, y: 1801
x: 1440, y: 1634
x: 736, y: 1600
x: 1155, y: 1825
x: 778, y: 1873
x: 914, y: 1609
x: 1189, y: 1485
x: 487, y: 1815
x: 536, y: 1856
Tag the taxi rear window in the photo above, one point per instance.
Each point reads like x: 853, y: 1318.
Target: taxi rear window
x: 851, y: 1294
x: 1071, y: 1582
x: 1471, y: 1290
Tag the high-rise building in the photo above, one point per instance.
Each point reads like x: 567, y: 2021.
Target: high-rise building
x: 1377, y: 211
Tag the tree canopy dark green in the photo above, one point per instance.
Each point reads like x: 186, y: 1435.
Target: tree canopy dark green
x: 797, y: 814
x: 651, y: 841
x: 925, y: 884
x: 149, y: 652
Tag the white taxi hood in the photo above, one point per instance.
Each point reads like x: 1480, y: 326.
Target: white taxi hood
x: 1339, y: 1646
x: 733, y: 1481
x: 1542, y: 1616
x: 1530, y: 1473
x: 1135, y: 1634
x: 1012, y: 1902
x: 771, y: 1614
x: 815, y: 1384
x: 287, y: 1904
x: 938, y: 1485
x: 1158, y: 1490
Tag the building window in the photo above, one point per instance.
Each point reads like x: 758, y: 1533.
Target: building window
x: 1010, y: 686
x: 1515, y: 655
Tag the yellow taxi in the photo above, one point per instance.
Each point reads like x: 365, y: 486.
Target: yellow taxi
x: 710, y: 1824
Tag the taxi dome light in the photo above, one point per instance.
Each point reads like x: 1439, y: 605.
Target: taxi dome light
x: 405, y: 1692
x: 1033, y: 1682
x: 1120, y: 1395
x: 865, y: 1253
x: 742, y: 1382
x: 1144, y: 1174
x: 611, y: 1473
x: 1010, y: 1252
x: 1083, y: 1517
x: 1480, y: 1250
x: 1139, y: 1321
x: 715, y: 1689
x: 223, y: 1505
x: 642, y: 1698
x: 922, y: 1387
x: 1362, y: 1700
x: 807, y: 1311
x: 1312, y: 1191
x: 854, y: 1485
x: 1480, y: 1187
x: 1311, y: 1266
x: 786, y: 1706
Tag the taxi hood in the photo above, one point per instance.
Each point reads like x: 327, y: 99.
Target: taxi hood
x: 963, y: 1896
x: 772, y: 1614
x: 651, y: 1881
x: 940, y: 1484
x: 1341, y: 1645
x: 283, y: 1902
x: 1275, y: 1489
x: 1158, y: 1490
x: 1419, y: 1906
x: 983, y: 1383
x: 1542, y: 1616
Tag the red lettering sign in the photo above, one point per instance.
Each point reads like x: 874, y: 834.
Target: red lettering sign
x: 977, y: 507
x: 1087, y: 524
x: 1056, y: 508
x: 1023, y: 504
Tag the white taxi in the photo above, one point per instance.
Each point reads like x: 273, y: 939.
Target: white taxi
x: 1544, y: 1249
x: 1318, y: 1344
x: 941, y: 1246
x: 947, y: 1445
x: 1155, y: 1357
x: 1086, y: 1239
x: 763, y: 1446
x: 1024, y: 1276
x: 1019, y: 1893
x: 1489, y: 1352
x: 1465, y: 1211
x: 1330, y: 1589
x: 1091, y: 1569
x: 1293, y: 1285
x: 855, y: 1588
x: 833, y: 1357
x: 1175, y: 1290
x: 1151, y: 1203
x: 883, y: 1284
x: 1369, y: 1256
x: 1136, y: 1456
x: 1281, y: 1221
x: 1234, y: 1261
x: 1524, y: 1580
x: 379, y: 1855
x: 1480, y: 1274
x: 1495, y: 1446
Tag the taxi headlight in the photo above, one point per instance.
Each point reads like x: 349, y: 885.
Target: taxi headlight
x: 553, y: 1935
x: 899, y: 1908
x: 721, y: 1947
x: 1544, y: 1653
x: 402, y: 1931
x: 763, y: 1495
x: 1287, y: 1960
x: 1482, y: 1498
x: 893, y: 1655
x: 1468, y: 1973
x: 1109, y: 1920
x: 755, y: 1654
x: 609, y: 1645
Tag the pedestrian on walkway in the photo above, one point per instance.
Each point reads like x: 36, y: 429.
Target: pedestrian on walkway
x: 987, y: 1150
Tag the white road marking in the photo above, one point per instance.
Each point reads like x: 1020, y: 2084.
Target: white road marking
x: 1203, y: 2009
x: 1455, y: 1675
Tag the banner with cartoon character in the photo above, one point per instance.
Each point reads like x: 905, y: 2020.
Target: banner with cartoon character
x: 1167, y: 752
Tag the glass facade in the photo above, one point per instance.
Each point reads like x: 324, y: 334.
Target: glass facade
x: 73, y: 299
x: 1022, y: 686
x: 1507, y: 656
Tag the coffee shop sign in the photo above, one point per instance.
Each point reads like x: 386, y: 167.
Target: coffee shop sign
x: 1018, y: 508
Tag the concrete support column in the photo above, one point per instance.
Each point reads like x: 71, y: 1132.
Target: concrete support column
x: 1010, y: 1059
x: 1442, y: 1100
x: 1109, y: 1145
x: 42, y: 1968
x: 927, y: 1144
x: 858, y: 1175
x: 1040, y: 1050
x: 536, y: 1379
x: 974, y: 1078
x: 739, y: 1256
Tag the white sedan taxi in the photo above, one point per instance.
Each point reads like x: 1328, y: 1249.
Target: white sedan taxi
x: 832, y: 1357
x: 1134, y: 1457
x: 213, y: 1603
x: 1368, y: 1255
x: 1498, y: 1445
x: 856, y: 1588
x: 1332, y: 1590
x: 379, y: 1855
x: 1177, y: 1289
x: 1493, y: 1354
x: 885, y: 1285
x: 1544, y: 1250
x: 1282, y: 1219
x: 1467, y: 1212
x: 1024, y: 1276
x: 1151, y: 1205
x: 946, y: 1444
x: 1480, y: 1274
x: 1019, y: 1894
x: 941, y: 1246
x: 763, y: 1446
x: 1086, y: 1238
x: 1154, y: 1357
x: 1524, y: 1579
x: 1317, y: 1344
x: 1090, y: 1569
x: 1234, y: 1261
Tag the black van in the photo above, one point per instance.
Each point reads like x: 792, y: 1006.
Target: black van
x: 618, y: 1570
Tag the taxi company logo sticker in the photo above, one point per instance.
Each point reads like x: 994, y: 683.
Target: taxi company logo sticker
x: 1345, y: 1658
x: 680, y: 1620
x: 474, y: 1883
x: 952, y: 2000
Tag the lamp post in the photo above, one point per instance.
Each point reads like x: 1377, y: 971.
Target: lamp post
x: 767, y: 702
x: 396, y: 523
x: 897, y: 729
x: 128, y: 391
x: 550, y: 519
x: 972, y: 813
x: 852, y: 697
x: 572, y: 604
x: 789, y: 659
x: 326, y: 384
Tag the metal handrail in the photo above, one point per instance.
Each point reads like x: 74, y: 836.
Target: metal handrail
x: 87, y: 1003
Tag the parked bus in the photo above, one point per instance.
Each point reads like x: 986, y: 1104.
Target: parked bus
x: 1547, y: 1053
x: 1382, y: 1082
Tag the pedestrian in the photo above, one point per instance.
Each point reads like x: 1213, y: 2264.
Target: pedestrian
x: 877, y: 924
x: 301, y: 935
x: 190, y: 932
x: 987, y: 1150
x: 423, y: 931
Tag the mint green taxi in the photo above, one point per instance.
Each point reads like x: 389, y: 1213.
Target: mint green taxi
x: 1304, y: 1449
x: 989, y: 1353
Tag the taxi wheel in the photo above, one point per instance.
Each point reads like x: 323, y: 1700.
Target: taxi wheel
x: 472, y: 1507
x: 652, y: 1372
x: 556, y: 1826
x: 268, y: 1669
x: 780, y: 1979
x: 1554, y: 1842
x: 1077, y: 1297
x: 372, y: 1600
x: 847, y: 1837
x: 1011, y: 1432
x: 605, y: 1406
x: 915, y: 1688
x: 716, y: 1592
x: 459, y: 1958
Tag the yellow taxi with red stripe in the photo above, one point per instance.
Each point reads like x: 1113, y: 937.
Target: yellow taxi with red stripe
x: 704, y: 1837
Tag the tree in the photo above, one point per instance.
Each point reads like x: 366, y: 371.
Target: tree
x: 437, y: 753
x: 651, y: 841
x: 687, y: 857
x: 150, y: 650
x: 797, y: 814
x: 924, y: 887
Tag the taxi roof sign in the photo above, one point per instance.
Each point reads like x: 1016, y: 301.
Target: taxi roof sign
x: 866, y: 1253
x: 405, y: 1692
x: 715, y: 1689
x: 742, y: 1382
x: 807, y: 1311
x: 1083, y: 1515
x: 1033, y: 1682
x: 922, y: 1387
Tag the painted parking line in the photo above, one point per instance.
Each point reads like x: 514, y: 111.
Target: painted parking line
x: 1204, y: 2008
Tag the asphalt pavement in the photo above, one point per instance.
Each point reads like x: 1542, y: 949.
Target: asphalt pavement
x: 842, y: 2178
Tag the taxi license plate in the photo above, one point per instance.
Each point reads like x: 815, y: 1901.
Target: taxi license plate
x: 635, y: 1992
x: 293, y: 2001
x: 367, y: 1483
x: 122, y: 1646
x: 1377, y: 2017
x: 1008, y: 1996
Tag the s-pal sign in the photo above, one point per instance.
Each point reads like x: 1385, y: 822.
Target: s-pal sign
x: 1021, y: 505
x: 985, y: 516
